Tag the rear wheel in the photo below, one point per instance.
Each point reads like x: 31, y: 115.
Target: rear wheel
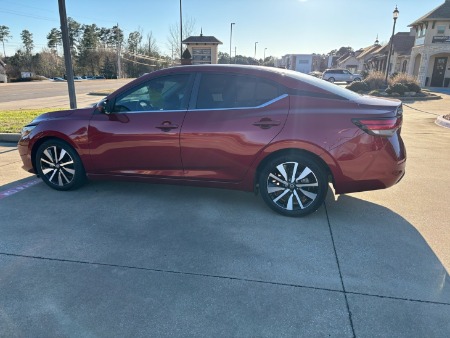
x: 293, y: 185
x: 59, y: 165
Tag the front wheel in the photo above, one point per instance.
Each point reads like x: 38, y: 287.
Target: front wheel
x: 59, y: 165
x: 293, y: 185
x: 331, y: 79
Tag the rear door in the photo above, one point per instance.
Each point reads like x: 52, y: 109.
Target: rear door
x: 231, y: 120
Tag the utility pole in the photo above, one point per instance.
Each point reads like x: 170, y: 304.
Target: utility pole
x: 67, y: 56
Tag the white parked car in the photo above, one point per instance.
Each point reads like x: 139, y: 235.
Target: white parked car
x: 340, y: 75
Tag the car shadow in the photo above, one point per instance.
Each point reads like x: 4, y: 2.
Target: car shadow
x: 381, y: 253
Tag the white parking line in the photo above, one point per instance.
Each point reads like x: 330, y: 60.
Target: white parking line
x: 15, y: 190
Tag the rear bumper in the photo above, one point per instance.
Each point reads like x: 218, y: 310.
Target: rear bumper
x: 374, y: 165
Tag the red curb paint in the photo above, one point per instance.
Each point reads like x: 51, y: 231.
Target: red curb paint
x: 15, y: 190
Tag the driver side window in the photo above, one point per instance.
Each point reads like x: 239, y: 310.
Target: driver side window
x: 165, y: 93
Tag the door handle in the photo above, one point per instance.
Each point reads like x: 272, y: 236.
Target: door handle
x: 167, y: 126
x: 266, y: 123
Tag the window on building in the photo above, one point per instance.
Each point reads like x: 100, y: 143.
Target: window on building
x: 421, y: 32
x: 404, y: 66
x: 201, y: 55
x: 441, y: 30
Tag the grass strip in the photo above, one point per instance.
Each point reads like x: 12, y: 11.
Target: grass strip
x: 12, y: 121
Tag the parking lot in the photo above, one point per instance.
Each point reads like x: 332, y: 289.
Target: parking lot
x: 131, y: 259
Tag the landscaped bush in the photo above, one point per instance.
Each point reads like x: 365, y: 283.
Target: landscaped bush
x: 398, y: 88
x: 364, y: 74
x: 414, y: 87
x: 375, y: 93
x: 358, y: 86
x: 407, y: 80
x: 375, y: 80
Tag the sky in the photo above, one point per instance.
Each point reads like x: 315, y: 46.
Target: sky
x: 279, y: 26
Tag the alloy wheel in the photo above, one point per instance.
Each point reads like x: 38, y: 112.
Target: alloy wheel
x: 57, y: 166
x: 292, y: 186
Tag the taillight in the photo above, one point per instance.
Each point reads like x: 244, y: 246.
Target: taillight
x: 379, y: 126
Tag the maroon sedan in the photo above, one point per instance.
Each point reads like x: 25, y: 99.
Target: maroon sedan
x: 250, y: 128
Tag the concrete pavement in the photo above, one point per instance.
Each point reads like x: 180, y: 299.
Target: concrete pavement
x: 115, y: 259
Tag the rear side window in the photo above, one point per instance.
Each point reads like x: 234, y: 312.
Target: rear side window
x: 221, y: 91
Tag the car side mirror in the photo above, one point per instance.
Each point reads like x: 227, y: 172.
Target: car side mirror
x: 103, y: 107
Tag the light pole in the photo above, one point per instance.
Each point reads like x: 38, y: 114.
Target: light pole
x: 255, y: 49
x: 231, y: 36
x: 264, y: 60
x: 181, y: 33
x: 395, y: 16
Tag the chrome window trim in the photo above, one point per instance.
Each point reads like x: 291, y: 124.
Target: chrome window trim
x: 268, y: 103
x: 150, y: 111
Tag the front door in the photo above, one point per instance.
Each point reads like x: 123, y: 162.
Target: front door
x: 141, y: 135
x: 440, y: 65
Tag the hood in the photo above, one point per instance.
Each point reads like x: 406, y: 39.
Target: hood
x: 62, y: 114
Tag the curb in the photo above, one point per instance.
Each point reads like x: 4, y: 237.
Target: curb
x: 413, y: 98
x: 440, y: 121
x: 9, y: 137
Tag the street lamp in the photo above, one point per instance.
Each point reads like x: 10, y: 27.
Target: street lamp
x: 181, y: 32
x: 395, y: 16
x: 255, y: 49
x: 231, y: 35
x: 264, y: 60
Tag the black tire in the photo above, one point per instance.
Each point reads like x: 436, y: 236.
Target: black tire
x: 59, y: 165
x: 357, y: 79
x: 331, y: 79
x: 293, y: 185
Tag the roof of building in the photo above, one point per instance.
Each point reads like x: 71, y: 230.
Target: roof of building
x: 350, y: 56
x: 368, y: 50
x: 439, y: 13
x: 403, y: 42
x: 202, y: 39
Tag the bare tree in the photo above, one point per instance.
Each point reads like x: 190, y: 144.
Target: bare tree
x: 173, y: 40
x: 151, y: 48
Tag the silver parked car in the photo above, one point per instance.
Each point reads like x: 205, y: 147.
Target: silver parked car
x: 340, y: 75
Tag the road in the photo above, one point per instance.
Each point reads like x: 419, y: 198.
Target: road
x: 130, y: 259
x: 50, y: 94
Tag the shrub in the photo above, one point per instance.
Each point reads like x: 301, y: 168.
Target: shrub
x: 414, y: 87
x: 358, y: 86
x: 375, y: 80
x: 186, y: 54
x: 364, y: 74
x: 407, y: 80
x: 375, y: 93
x: 398, y: 88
